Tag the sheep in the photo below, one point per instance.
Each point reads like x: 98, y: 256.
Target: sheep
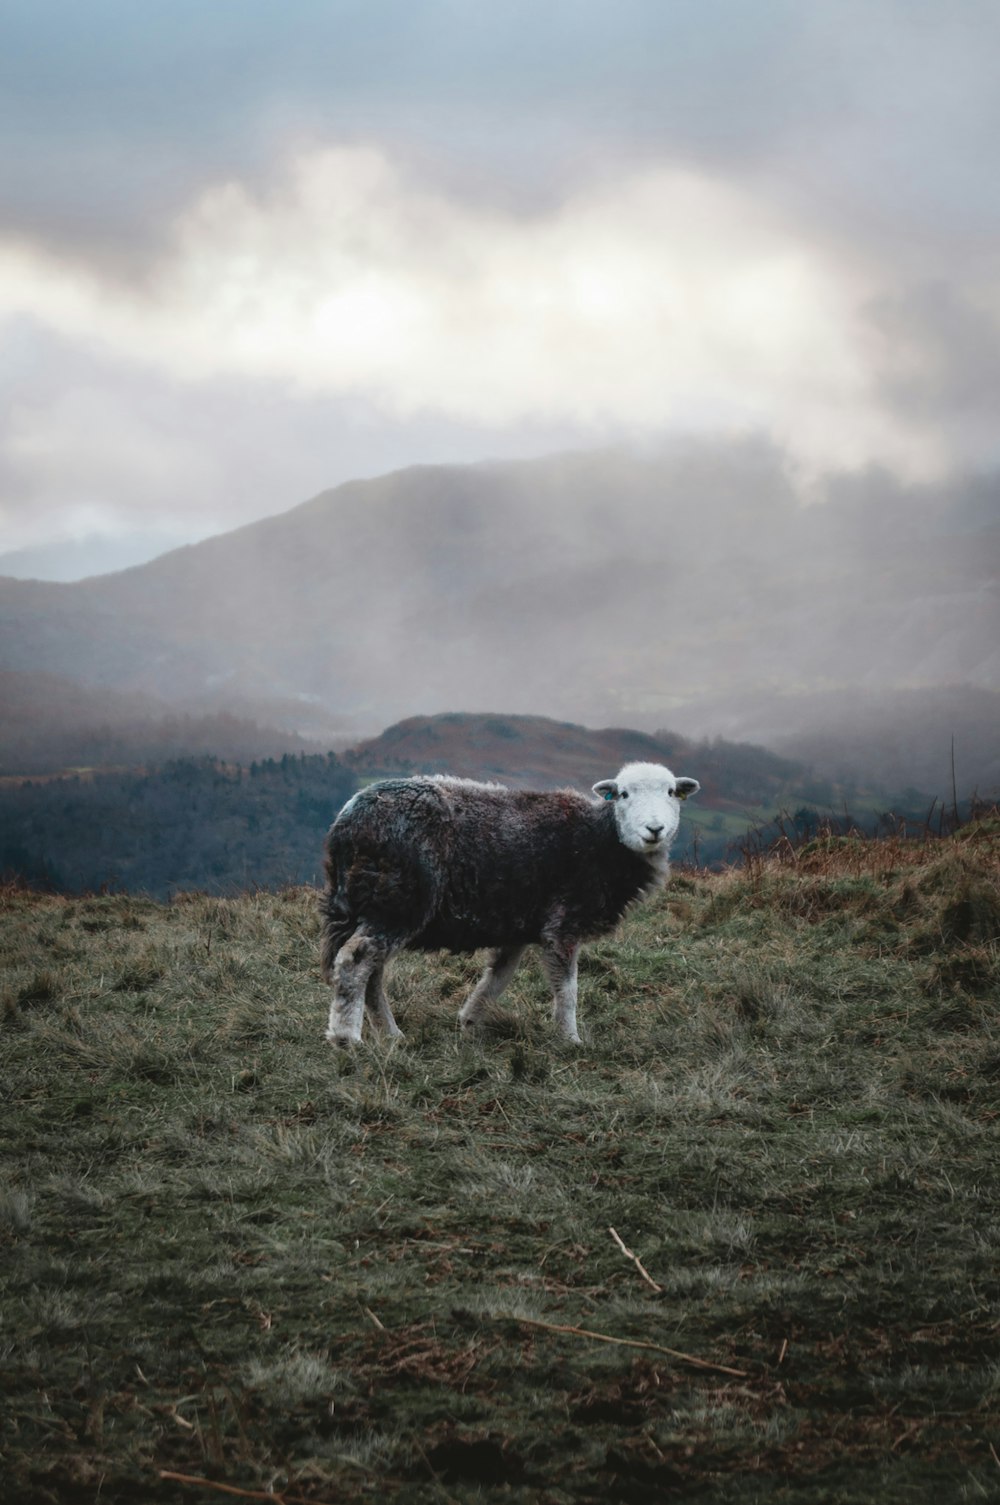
x: 439, y: 863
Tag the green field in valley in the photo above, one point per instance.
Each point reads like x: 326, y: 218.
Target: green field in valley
x: 743, y: 1245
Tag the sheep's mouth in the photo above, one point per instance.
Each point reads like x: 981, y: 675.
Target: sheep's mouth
x: 653, y: 841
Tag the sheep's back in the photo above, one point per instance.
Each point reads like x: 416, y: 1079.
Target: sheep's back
x: 513, y: 856
x: 452, y: 864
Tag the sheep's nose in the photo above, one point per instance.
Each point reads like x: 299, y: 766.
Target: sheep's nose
x: 654, y: 830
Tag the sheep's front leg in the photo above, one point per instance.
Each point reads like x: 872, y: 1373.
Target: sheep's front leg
x: 355, y: 963
x: 377, y: 1005
x: 560, y: 958
x: 498, y: 974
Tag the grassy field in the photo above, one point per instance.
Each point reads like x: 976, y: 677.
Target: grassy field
x: 234, y: 1261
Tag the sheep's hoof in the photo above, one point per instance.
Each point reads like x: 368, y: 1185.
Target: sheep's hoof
x: 342, y: 1042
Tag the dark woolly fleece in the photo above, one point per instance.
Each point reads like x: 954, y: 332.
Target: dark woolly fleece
x: 424, y: 865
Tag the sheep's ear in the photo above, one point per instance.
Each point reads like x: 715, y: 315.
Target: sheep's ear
x: 607, y: 789
x: 686, y: 787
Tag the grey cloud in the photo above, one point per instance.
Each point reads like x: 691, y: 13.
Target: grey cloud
x: 871, y: 122
x: 940, y: 352
x: 121, y: 112
x: 241, y: 450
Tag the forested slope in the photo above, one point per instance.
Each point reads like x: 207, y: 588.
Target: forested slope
x: 194, y: 824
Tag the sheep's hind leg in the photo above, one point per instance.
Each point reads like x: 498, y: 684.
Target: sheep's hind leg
x: 499, y: 971
x: 355, y: 963
x: 377, y: 1005
x: 560, y: 959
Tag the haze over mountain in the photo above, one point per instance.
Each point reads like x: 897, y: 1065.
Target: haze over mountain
x: 51, y: 724
x: 79, y: 558
x: 701, y: 586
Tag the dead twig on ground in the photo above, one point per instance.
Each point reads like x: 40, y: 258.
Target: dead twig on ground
x: 231, y: 1489
x: 281, y: 1497
x: 637, y: 1262
x: 586, y: 1332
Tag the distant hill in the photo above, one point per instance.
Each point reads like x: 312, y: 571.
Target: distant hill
x: 525, y: 751
x: 606, y: 588
x: 536, y: 752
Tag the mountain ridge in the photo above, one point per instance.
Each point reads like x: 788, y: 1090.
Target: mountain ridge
x: 606, y: 588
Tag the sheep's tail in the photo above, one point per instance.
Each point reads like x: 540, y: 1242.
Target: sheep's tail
x: 338, y: 927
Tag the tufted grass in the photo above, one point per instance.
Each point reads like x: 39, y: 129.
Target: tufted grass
x: 231, y: 1254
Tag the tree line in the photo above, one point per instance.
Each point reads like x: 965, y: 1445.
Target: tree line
x: 195, y: 823
x: 199, y: 823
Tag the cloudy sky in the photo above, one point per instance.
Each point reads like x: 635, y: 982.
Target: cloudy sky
x: 248, y: 251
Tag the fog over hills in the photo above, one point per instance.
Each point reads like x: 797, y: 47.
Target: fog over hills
x: 695, y: 587
x: 51, y: 724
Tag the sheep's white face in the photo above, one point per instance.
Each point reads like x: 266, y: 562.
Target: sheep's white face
x: 647, y: 799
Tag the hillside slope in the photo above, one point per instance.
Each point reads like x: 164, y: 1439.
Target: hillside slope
x: 742, y: 1242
